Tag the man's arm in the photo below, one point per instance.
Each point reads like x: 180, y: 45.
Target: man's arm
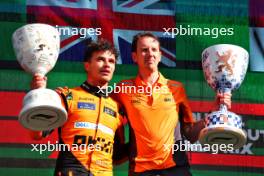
x: 120, y: 153
x: 192, y: 130
x: 121, y: 149
x: 38, y: 135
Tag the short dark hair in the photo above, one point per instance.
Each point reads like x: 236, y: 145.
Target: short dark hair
x: 141, y: 35
x: 99, y: 45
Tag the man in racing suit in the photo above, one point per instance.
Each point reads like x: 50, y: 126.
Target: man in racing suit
x: 94, y: 119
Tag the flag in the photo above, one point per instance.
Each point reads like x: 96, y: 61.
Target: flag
x: 115, y: 19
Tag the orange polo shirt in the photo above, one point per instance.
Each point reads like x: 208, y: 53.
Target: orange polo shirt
x: 153, y: 113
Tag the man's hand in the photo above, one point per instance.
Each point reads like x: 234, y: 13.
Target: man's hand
x: 38, y: 81
x: 36, y: 135
x: 191, y: 130
x: 59, y: 90
x: 223, y: 98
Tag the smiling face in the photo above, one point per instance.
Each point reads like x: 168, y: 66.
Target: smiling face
x: 147, y: 54
x: 100, y: 68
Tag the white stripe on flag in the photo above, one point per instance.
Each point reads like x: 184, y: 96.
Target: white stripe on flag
x: 84, y: 4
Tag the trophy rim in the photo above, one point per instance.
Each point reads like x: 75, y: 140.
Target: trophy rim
x: 24, y: 117
x: 33, y: 24
x: 34, y: 104
x: 226, y: 44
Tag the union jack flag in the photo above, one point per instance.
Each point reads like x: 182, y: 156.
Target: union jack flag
x: 119, y: 21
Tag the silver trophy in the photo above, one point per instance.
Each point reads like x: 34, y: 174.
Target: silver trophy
x: 37, y: 48
x: 224, y: 68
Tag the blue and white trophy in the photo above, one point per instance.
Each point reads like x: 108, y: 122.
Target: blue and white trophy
x: 224, y: 67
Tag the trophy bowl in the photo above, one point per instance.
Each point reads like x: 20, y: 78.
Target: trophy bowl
x: 224, y: 67
x: 37, y: 48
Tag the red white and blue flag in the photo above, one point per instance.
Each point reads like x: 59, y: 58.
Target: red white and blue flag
x: 118, y: 20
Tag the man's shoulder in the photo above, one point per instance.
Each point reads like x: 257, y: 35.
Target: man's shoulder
x: 174, y: 84
x: 127, y: 82
x: 67, y: 90
x: 116, y: 104
x: 69, y: 93
x: 111, y: 99
x: 120, y: 89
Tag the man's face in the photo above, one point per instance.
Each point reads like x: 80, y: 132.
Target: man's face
x: 101, y: 67
x: 147, y: 55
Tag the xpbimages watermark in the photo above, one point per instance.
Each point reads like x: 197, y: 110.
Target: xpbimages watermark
x: 198, y: 31
x: 187, y: 146
x: 81, y: 32
x: 132, y: 89
x: 83, y: 148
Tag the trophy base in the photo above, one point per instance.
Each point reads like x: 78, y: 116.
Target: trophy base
x: 42, y: 110
x: 223, y: 128
x: 223, y: 135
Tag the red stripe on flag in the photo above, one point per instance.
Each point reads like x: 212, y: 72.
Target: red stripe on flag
x: 69, y: 40
x: 226, y: 160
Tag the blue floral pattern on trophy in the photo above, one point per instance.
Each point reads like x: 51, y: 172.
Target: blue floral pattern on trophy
x: 223, y: 70
x: 217, y: 118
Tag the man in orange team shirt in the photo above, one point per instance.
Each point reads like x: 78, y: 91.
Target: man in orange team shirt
x: 154, y: 114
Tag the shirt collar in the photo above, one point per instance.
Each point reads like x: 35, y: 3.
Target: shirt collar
x: 94, y: 90
x: 161, y: 81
